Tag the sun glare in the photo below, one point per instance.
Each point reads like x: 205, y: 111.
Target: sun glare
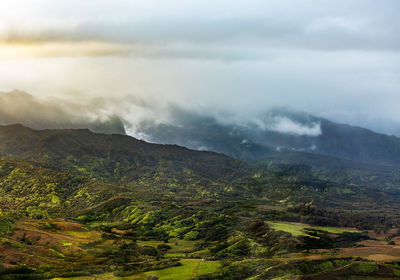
x: 59, y: 49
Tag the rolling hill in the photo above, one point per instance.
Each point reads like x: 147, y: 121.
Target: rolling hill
x: 78, y: 203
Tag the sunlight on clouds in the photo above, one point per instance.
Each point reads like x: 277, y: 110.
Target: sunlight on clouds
x: 57, y: 49
x: 317, y: 56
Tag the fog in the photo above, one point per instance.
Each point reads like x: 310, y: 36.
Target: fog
x: 21, y: 107
x: 231, y: 59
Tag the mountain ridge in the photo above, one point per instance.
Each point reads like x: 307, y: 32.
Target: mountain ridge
x: 112, y: 204
x: 251, y: 142
x: 21, y: 107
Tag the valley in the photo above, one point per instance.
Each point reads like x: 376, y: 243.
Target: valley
x: 199, y: 140
x: 80, y: 205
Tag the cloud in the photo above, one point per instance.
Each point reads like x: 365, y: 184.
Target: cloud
x: 181, y: 29
x: 62, y: 49
x: 23, y: 108
x: 286, y: 125
x: 106, y: 115
x: 338, y: 59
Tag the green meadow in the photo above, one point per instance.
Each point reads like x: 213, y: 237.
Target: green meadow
x: 298, y: 229
x: 190, y: 268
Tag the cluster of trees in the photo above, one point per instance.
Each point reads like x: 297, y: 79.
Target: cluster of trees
x: 311, y: 214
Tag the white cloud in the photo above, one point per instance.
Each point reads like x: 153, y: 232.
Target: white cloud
x: 286, y: 125
x: 330, y: 58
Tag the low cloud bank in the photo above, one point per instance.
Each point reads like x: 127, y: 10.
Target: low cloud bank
x: 286, y: 125
x: 21, y: 107
x: 128, y: 114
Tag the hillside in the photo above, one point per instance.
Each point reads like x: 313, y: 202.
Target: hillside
x: 279, y: 130
x: 113, y: 158
x: 172, y: 171
x: 78, y: 203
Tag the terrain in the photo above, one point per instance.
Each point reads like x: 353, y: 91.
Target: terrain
x: 278, y: 130
x: 82, y: 205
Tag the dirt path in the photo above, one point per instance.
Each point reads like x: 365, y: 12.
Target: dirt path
x: 194, y: 271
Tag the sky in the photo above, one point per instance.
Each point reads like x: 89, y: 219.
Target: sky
x: 338, y: 59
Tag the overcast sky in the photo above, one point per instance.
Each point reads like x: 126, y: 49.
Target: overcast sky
x: 336, y: 58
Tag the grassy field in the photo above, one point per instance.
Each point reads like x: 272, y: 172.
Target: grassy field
x: 50, y: 242
x: 298, y: 229
x: 190, y: 268
x: 334, y: 229
x: 177, y: 245
x: 294, y: 229
x: 62, y: 241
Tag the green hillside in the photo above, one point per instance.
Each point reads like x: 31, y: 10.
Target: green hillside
x: 92, y: 206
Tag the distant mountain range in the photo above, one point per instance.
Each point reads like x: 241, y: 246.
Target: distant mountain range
x: 76, y: 201
x: 20, y: 107
x: 274, y: 135
x: 111, y: 157
x: 128, y: 164
x: 252, y: 199
x: 279, y: 130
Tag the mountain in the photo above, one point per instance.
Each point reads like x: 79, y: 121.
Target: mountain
x: 74, y: 203
x: 279, y: 130
x: 20, y: 107
x: 169, y: 170
x: 112, y: 158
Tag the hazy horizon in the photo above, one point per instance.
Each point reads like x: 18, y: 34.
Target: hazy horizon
x: 337, y: 59
x: 202, y: 140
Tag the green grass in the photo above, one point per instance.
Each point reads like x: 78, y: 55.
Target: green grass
x: 18, y: 245
x: 66, y: 243
x: 182, y: 272
x: 57, y: 252
x: 177, y: 245
x: 334, y: 229
x: 190, y: 268
x: 300, y: 229
x: 365, y: 268
x: 293, y: 229
x: 152, y: 243
x: 207, y: 267
x: 105, y: 276
x: 175, y: 255
x: 200, y: 254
